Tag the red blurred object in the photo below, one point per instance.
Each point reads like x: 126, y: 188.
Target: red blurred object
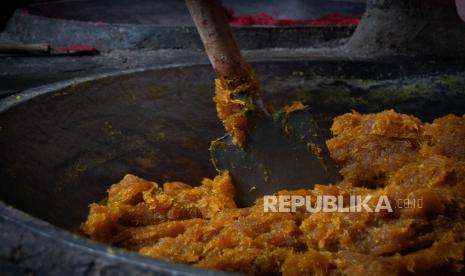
x: 82, y: 49
x: 44, y: 49
x: 102, y: 21
x: 268, y: 20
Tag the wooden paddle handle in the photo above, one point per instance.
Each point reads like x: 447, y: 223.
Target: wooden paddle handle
x: 213, y: 26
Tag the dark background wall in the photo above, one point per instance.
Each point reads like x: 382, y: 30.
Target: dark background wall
x: 152, y: 11
x: 7, y: 7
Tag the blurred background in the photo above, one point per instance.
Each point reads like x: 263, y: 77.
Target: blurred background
x: 173, y: 12
x: 98, y: 36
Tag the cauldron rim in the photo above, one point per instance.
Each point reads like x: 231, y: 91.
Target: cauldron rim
x: 70, y: 241
x: 30, y: 93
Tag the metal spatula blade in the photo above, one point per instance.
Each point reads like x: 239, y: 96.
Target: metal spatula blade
x: 283, y: 151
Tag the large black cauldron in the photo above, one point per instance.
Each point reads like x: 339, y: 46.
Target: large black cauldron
x: 63, y: 145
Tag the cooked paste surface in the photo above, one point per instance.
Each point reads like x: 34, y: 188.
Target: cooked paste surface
x: 378, y: 154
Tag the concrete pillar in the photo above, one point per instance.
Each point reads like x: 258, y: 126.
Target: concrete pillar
x: 410, y: 27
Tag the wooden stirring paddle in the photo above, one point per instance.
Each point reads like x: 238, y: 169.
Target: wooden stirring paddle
x: 263, y: 152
